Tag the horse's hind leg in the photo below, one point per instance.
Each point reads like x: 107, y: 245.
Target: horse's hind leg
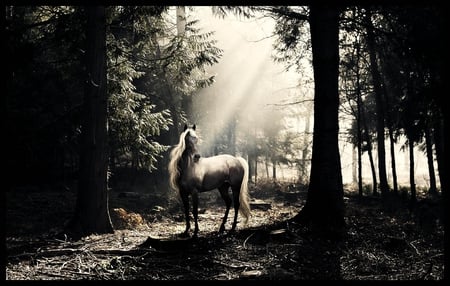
x: 236, y: 204
x: 226, y: 197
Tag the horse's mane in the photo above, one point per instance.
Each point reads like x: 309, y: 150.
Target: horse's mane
x: 175, y: 156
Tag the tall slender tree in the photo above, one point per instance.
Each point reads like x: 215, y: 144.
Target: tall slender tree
x: 371, y: 43
x: 91, y: 211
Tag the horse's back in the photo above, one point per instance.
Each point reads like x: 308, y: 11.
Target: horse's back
x: 221, y: 168
x: 222, y: 161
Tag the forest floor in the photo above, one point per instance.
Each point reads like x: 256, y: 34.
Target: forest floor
x: 383, y: 242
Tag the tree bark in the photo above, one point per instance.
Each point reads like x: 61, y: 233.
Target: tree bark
x: 393, y: 164
x: 359, y: 121
x: 369, y: 153
x: 324, y: 208
x: 91, y: 211
x: 411, y: 171
x: 439, y: 135
x: 429, y: 146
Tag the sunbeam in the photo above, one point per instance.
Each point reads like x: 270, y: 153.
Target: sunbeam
x: 247, y: 78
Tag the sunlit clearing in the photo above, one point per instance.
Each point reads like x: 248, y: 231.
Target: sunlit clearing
x: 247, y: 79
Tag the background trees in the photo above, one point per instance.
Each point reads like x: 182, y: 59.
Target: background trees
x: 46, y: 96
x: 158, y: 62
x: 407, y: 105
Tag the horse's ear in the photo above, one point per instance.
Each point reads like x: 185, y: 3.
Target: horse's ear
x: 193, y: 127
x: 185, y: 127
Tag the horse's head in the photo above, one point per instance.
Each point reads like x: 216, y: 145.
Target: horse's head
x: 190, y: 138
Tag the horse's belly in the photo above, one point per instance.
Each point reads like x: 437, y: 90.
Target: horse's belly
x: 213, y: 180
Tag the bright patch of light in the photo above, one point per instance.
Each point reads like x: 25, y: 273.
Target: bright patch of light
x: 248, y: 81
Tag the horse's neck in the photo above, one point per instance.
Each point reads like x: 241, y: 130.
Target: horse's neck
x: 187, y: 158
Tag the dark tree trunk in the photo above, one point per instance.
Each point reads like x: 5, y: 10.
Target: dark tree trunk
x: 373, y: 171
x: 256, y: 169
x: 393, y: 164
x: 358, y: 122
x: 274, y: 170
x: 91, y: 212
x: 411, y: 170
x: 379, y: 105
x: 360, y: 183
x: 305, y: 151
x: 391, y: 135
x: 324, y: 208
x: 429, y: 146
x: 369, y: 153
x: 439, y: 136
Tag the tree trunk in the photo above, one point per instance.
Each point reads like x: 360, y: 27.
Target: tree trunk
x: 324, y: 208
x: 274, y: 170
x: 374, y: 173
x: 305, y: 151
x: 429, y: 146
x: 369, y: 153
x: 439, y: 136
x: 391, y: 132
x: 91, y: 211
x: 379, y: 105
x: 359, y: 120
x: 359, y: 145
x: 411, y: 171
x: 354, y: 165
x: 393, y: 165
x: 256, y: 169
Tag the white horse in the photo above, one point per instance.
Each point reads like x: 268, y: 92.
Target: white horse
x: 191, y: 174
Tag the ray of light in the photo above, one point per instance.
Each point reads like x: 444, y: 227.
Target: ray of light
x: 246, y: 77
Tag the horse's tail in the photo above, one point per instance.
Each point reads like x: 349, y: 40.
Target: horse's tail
x: 244, y: 204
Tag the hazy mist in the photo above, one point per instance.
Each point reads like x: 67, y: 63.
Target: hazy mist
x: 254, y: 93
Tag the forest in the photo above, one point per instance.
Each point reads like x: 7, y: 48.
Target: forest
x: 103, y: 105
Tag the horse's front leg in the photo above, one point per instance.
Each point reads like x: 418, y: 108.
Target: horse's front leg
x: 195, y: 210
x: 185, y: 198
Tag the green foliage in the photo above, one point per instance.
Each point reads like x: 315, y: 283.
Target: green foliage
x: 293, y: 44
x: 133, y: 123
x: 187, y: 56
x: 152, y: 68
x: 406, y: 66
